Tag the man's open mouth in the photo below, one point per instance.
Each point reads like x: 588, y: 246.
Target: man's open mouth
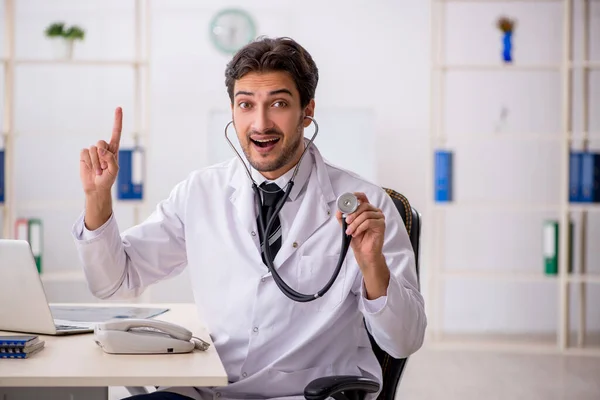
x: 265, y: 142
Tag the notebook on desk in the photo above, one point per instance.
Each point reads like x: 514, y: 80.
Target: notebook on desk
x: 24, y: 306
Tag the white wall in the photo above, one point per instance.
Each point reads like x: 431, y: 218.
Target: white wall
x: 374, y: 66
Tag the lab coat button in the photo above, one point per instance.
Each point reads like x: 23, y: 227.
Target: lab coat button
x: 244, y: 374
x: 295, y: 244
x: 218, y: 394
x: 255, y: 329
x: 253, y: 233
x: 263, y: 279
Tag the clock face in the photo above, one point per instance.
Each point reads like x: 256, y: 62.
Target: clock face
x: 232, y: 29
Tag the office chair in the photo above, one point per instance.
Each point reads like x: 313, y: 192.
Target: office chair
x: 349, y: 387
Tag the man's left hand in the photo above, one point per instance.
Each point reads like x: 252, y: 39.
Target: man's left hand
x: 367, y: 227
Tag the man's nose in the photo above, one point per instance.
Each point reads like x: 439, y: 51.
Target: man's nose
x: 262, y: 122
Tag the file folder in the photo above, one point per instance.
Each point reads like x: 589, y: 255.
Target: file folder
x: 443, y: 176
x: 2, y: 179
x: 551, y: 247
x: 590, y: 177
x: 22, y: 229
x: 35, y: 241
x: 130, y: 185
x: 575, y: 169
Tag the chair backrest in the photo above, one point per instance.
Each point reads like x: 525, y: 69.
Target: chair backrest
x: 394, y: 367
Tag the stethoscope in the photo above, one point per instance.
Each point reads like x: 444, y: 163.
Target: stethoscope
x: 347, y: 203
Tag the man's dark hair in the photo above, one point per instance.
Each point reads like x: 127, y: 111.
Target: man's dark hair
x: 278, y: 54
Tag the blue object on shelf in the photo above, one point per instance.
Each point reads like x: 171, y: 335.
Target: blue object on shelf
x: 507, y: 42
x: 2, y: 169
x: 443, y: 175
x: 575, y: 176
x: 130, y: 185
x: 590, y: 177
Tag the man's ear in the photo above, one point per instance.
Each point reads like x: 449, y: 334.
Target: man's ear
x: 309, y: 111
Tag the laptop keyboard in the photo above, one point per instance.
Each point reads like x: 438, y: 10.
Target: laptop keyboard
x: 68, y: 327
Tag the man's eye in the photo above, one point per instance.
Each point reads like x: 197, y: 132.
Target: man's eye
x: 279, y: 104
x: 244, y: 104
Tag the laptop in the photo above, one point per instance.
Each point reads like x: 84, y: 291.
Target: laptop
x: 24, y: 306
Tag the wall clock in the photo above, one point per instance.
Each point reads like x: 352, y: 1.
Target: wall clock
x: 231, y: 29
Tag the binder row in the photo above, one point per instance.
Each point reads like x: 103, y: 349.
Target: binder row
x: 584, y: 176
x: 130, y: 180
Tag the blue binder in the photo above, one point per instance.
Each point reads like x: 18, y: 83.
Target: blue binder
x: 130, y: 185
x: 575, y: 176
x: 590, y: 177
x: 443, y: 176
x: 2, y: 169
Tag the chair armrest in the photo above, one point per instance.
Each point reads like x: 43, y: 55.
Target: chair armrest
x: 322, y: 388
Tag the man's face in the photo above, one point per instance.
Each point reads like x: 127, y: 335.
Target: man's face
x: 269, y: 121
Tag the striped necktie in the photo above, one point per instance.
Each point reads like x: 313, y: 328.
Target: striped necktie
x: 271, y: 196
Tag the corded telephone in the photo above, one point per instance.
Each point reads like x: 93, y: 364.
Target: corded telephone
x: 145, y: 336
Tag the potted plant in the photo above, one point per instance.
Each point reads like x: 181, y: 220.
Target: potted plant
x: 64, y: 38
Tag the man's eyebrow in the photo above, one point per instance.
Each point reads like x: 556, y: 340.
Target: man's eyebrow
x: 244, y: 93
x: 279, y: 91
x: 271, y: 93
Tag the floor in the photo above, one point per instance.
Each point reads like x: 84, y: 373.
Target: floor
x: 476, y: 375
x: 470, y: 375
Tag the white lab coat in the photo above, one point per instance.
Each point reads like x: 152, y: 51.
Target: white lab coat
x: 270, y: 346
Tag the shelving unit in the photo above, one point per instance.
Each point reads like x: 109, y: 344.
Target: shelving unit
x: 139, y: 62
x: 438, y: 275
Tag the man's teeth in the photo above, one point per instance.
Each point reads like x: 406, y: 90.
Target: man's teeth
x: 266, y: 140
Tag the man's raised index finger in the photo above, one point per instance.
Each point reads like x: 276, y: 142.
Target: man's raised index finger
x: 116, y: 133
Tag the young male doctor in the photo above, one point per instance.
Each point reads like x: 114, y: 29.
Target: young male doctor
x: 270, y: 345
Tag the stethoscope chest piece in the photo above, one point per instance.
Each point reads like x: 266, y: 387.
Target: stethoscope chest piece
x: 347, y: 203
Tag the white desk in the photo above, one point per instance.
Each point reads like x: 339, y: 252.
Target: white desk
x: 76, y: 361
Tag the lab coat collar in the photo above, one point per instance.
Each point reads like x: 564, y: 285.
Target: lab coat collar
x: 317, y: 205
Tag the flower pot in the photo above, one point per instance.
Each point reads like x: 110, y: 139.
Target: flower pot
x: 62, y: 48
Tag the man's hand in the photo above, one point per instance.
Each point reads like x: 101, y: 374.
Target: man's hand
x: 98, y: 166
x: 98, y: 169
x: 367, y: 227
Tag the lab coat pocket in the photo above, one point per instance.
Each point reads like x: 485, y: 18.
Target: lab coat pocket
x: 314, y: 272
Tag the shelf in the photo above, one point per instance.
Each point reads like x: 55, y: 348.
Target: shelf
x: 586, y: 278
x: 589, y: 207
x: 125, y: 137
x: 514, y: 343
x: 499, y: 67
x: 51, y: 204
x: 515, y: 206
x: 497, y: 207
x: 590, y: 65
x: 509, y: 276
x: 514, y: 276
x: 132, y: 63
x: 498, y: 1
x: 63, y: 276
x: 503, y: 135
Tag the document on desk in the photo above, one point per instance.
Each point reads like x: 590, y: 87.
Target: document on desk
x: 101, y: 314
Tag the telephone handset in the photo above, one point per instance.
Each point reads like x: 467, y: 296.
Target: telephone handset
x: 145, y: 336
